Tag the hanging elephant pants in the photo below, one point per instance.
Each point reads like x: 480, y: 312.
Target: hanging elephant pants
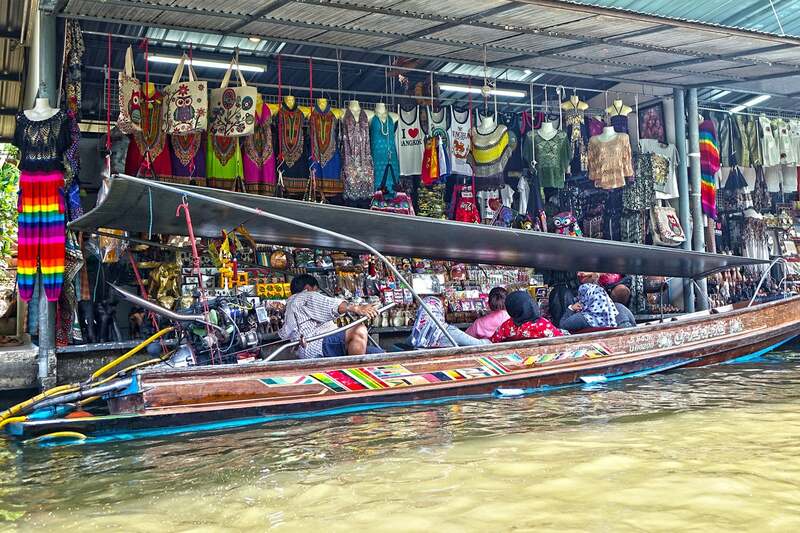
x: 41, y: 232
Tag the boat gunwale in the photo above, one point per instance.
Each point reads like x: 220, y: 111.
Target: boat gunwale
x: 437, y: 353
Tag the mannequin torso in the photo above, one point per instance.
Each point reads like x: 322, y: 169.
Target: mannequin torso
x: 575, y: 102
x: 618, y: 107
x: 608, y: 134
x: 487, y: 125
x: 547, y: 131
x: 354, y: 106
x: 41, y: 110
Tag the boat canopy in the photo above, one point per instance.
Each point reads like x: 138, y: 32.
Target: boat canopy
x: 137, y: 205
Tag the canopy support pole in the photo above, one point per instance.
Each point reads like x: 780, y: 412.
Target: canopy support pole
x: 698, y: 233
x: 258, y: 212
x: 683, y: 186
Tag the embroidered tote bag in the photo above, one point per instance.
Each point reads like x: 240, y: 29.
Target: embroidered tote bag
x: 666, y: 227
x: 130, y: 93
x: 399, y: 204
x: 185, y: 103
x: 232, y: 110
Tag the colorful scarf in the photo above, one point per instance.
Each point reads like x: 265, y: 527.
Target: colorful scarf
x: 709, y: 166
x: 598, y: 309
x: 426, y: 334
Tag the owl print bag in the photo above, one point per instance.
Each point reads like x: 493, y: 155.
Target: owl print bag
x: 232, y: 109
x: 185, y: 102
x: 130, y: 92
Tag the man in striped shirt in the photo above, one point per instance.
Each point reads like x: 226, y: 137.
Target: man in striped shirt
x: 310, y: 313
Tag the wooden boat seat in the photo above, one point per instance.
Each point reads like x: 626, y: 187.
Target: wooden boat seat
x: 592, y: 330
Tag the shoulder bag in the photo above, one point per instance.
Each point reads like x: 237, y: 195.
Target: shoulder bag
x: 130, y: 97
x: 232, y: 109
x: 185, y: 103
x: 666, y: 227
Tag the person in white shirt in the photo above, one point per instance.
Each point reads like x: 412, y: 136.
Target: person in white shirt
x: 310, y: 313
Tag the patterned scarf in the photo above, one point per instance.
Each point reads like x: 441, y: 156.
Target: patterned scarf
x: 598, y: 309
x: 426, y: 334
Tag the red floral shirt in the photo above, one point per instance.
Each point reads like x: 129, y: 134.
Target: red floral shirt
x: 508, y: 331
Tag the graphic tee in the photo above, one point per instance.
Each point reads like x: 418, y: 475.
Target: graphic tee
x: 410, y: 142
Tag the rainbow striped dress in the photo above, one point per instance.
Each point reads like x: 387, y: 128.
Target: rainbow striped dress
x: 709, y: 167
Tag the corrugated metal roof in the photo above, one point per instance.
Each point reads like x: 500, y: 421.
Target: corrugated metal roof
x: 12, y: 65
x: 752, y: 15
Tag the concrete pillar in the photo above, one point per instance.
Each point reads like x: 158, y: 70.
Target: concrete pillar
x: 698, y: 230
x: 48, y: 64
x: 683, y: 187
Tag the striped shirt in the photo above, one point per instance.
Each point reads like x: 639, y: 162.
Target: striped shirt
x: 309, y: 313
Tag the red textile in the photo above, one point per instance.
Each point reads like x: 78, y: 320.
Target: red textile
x: 508, y: 331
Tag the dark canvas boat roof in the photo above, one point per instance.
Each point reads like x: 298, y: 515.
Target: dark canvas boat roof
x: 137, y: 205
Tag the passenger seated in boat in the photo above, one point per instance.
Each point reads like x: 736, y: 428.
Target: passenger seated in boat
x: 426, y: 334
x: 621, y: 295
x: 594, y: 308
x: 310, y: 313
x: 485, y: 326
x: 525, y: 321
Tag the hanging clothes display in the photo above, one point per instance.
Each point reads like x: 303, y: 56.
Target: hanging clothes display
x: 293, y: 163
x: 794, y: 136
x: 709, y: 168
x: 358, y: 167
x: 665, y: 167
x: 747, y: 146
x: 513, y: 122
x: 595, y: 126
x: 41, y: 219
x: 551, y: 157
x: 578, y: 135
x: 325, y: 160
x: 258, y: 155
x: 771, y: 154
x: 783, y: 139
x: 146, y: 154
x: 610, y: 161
x: 410, y: 141
x: 188, y: 155
x: 438, y: 126
x: 224, y: 163
x: 383, y: 139
x: 640, y: 194
x: 489, y: 155
x: 460, y: 144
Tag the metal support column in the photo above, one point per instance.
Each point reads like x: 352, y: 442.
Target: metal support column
x: 48, y: 88
x: 698, y: 230
x: 683, y: 187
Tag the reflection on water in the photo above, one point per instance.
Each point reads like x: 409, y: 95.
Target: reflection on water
x: 703, y: 449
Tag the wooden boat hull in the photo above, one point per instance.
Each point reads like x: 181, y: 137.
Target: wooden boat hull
x: 181, y: 400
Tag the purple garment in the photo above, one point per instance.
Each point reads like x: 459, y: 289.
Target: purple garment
x: 595, y: 126
x: 188, y: 156
x: 620, y: 123
x: 357, y: 157
x: 258, y: 155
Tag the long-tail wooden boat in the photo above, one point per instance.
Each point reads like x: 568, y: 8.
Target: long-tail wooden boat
x: 158, y: 401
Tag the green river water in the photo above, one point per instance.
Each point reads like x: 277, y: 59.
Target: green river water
x: 709, y: 449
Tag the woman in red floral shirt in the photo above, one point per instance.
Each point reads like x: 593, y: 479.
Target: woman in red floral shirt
x: 526, y: 320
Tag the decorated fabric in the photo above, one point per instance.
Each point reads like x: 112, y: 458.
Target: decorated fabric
x: 460, y: 143
x: 258, y: 155
x: 425, y: 333
x: 224, y: 163
x: 438, y: 127
x: 746, y: 145
x: 666, y: 227
x: 610, y: 162
x: 538, y: 329
x: 399, y: 204
x: 74, y: 49
x: 551, y: 157
x: 431, y: 201
x: 597, y: 307
x: 430, y: 161
x: 770, y: 153
x: 489, y: 156
x: 652, y: 126
x: 130, y: 97
x: 466, y: 206
x: 578, y: 139
x: 185, y: 102
x: 410, y: 141
x: 188, y: 158
x: 383, y: 144
x: 325, y: 159
x: 640, y: 193
x: 146, y: 154
x: 709, y: 167
x: 619, y: 123
x: 232, y: 109
x: 292, y: 149
x: 358, y: 170
x: 41, y: 232
x: 42, y: 143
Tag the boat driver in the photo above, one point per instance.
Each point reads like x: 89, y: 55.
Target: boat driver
x: 310, y: 313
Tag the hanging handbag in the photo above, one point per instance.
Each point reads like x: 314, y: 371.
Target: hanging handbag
x: 232, y: 110
x: 185, y: 103
x: 130, y: 92
x: 399, y: 204
x: 430, y: 161
x: 666, y: 227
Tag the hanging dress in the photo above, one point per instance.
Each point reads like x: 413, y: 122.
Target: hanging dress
x: 611, y: 161
x: 460, y: 144
x: 438, y: 125
x: 258, y: 155
x: 383, y: 145
x: 146, y: 154
x: 224, y: 163
x: 325, y: 159
x: 578, y: 135
x: 410, y: 141
x: 358, y: 168
x: 293, y: 149
x: 551, y: 157
x: 771, y: 155
x: 513, y: 122
x: 783, y: 138
x: 188, y: 154
x: 709, y: 168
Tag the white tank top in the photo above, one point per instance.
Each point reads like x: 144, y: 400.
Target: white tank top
x: 459, y: 142
x: 410, y: 142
